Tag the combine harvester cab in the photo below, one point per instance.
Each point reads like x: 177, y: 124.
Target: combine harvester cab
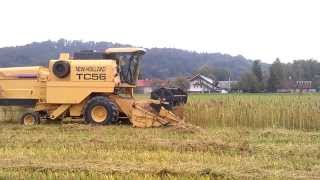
x: 95, y: 86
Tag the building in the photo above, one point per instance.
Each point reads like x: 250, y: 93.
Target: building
x: 201, y: 83
x: 297, y: 86
x: 198, y: 84
x: 304, y: 86
x: 226, y: 85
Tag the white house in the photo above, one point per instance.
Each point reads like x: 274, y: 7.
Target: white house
x: 200, y: 83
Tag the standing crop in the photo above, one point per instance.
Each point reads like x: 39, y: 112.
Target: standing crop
x: 290, y: 111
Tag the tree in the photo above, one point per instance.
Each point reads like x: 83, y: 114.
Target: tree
x: 206, y: 70
x: 181, y: 82
x: 276, y: 76
x: 157, y: 83
x: 219, y: 74
x: 256, y: 70
x: 249, y: 83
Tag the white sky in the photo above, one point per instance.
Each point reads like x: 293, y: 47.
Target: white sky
x: 256, y: 29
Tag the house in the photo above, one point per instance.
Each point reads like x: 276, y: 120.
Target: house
x: 201, y: 83
x: 304, y: 86
x: 297, y: 86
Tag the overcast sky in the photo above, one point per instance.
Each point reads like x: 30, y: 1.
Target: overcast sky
x: 256, y: 29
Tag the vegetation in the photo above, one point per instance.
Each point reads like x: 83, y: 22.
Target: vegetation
x: 180, y: 82
x: 215, y: 73
x: 158, y: 63
x: 243, y: 136
x: 257, y: 71
x: 281, y: 76
x: 75, y: 151
x: 276, y: 76
x: 249, y: 83
x: 290, y: 111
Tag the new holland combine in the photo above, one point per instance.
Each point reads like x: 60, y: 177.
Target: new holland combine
x: 95, y: 86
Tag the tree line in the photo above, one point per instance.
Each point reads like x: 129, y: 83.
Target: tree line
x: 280, y: 76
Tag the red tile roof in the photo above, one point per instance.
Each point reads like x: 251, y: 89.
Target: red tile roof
x: 144, y: 83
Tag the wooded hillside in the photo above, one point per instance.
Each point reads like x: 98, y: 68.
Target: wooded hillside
x: 157, y: 63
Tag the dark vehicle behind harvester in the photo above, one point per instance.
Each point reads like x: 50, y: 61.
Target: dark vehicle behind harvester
x: 170, y: 97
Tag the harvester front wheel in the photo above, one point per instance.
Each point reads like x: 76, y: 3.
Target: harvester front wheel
x: 100, y: 110
x: 30, y: 118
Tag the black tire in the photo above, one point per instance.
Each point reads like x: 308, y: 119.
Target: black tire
x: 30, y: 118
x: 61, y: 69
x: 101, y: 101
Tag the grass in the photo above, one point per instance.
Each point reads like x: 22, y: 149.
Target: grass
x: 73, y: 150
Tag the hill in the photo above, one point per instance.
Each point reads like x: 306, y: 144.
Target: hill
x: 157, y: 63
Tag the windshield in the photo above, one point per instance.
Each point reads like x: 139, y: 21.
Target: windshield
x: 129, y: 68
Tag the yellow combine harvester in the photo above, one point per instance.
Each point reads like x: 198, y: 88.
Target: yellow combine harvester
x: 97, y: 86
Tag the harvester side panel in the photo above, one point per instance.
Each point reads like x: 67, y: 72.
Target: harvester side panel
x: 21, y: 82
x: 74, y: 92
x: 20, y: 89
x: 86, y: 77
